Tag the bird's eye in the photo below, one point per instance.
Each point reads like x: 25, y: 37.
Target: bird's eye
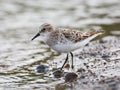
x: 43, y: 29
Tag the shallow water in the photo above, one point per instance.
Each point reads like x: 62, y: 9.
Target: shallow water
x: 19, y: 22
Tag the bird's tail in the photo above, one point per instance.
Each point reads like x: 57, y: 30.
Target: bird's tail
x: 87, y: 37
x: 90, y: 33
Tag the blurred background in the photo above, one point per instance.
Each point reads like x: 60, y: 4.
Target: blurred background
x: 19, y: 22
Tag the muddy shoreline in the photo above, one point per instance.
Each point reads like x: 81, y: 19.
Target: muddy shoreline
x: 101, y: 65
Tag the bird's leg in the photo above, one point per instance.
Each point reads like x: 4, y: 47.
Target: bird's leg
x: 65, y: 61
x: 72, y: 66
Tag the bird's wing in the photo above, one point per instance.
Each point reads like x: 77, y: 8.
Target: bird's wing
x: 76, y: 36
x: 72, y: 35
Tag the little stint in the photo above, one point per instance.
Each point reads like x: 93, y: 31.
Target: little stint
x: 65, y: 40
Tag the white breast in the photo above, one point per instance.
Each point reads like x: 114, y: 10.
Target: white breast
x: 63, y: 48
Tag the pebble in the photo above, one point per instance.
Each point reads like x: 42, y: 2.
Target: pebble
x: 71, y: 77
x: 42, y: 68
x: 58, y: 73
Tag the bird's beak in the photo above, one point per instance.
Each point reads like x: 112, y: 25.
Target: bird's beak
x: 35, y: 36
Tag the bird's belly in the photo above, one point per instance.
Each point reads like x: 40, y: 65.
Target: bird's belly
x: 63, y: 48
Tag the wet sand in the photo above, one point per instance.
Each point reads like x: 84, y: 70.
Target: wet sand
x: 101, y: 66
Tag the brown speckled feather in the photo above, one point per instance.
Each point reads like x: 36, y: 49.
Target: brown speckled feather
x: 77, y: 36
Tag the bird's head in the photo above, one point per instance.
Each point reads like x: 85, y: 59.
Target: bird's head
x: 44, y: 30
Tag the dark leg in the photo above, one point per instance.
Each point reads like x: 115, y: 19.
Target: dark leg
x: 65, y: 62
x: 72, y: 66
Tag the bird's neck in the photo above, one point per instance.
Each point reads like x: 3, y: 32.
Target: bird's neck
x: 45, y: 37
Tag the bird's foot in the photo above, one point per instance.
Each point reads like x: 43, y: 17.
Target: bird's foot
x: 72, y: 67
